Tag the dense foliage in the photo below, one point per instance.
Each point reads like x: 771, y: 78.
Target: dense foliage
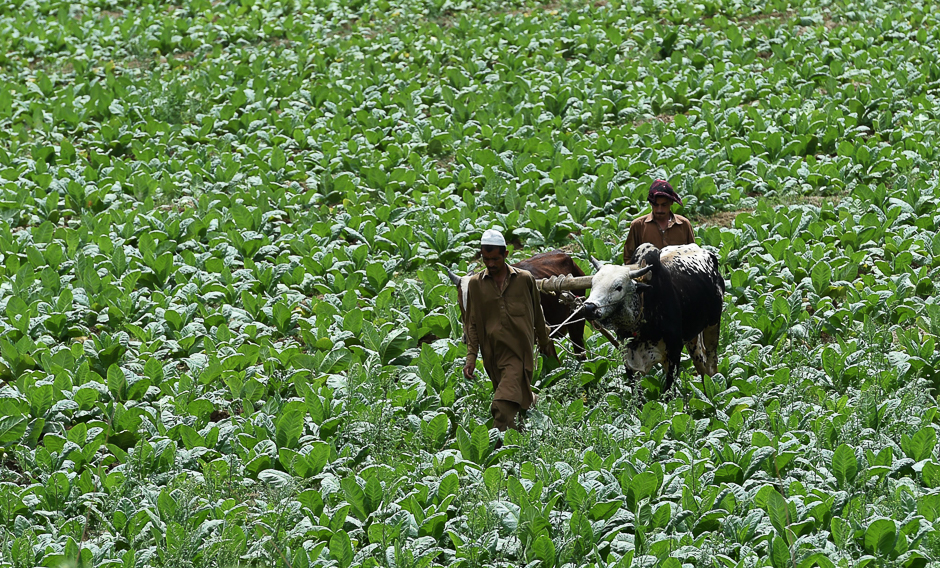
x: 225, y: 339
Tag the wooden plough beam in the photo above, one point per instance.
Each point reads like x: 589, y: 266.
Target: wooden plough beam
x: 561, y: 285
x: 566, y: 282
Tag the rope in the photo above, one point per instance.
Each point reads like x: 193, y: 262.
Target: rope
x: 559, y: 327
x: 567, y: 321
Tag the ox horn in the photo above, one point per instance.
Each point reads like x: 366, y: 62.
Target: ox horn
x: 595, y: 263
x: 453, y: 277
x: 640, y: 272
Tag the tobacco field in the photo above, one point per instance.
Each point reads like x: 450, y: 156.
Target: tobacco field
x: 226, y: 338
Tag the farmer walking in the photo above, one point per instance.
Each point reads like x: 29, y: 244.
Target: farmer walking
x: 661, y: 227
x: 504, y: 320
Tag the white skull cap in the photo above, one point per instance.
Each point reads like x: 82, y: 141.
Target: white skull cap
x: 492, y: 237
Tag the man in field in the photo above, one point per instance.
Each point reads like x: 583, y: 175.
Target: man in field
x: 504, y: 320
x: 661, y: 227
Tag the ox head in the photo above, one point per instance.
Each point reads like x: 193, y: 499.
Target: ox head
x: 614, y: 295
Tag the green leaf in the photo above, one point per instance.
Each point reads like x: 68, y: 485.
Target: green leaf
x: 729, y: 472
x: 355, y: 496
x: 920, y: 446
x: 290, y: 424
x: 642, y: 486
x: 433, y: 525
x: 739, y: 154
x: 373, y: 494
x: 449, y: 485
x: 117, y: 383
x: 436, y: 430
x: 394, y: 344
x: 880, y: 537
x: 190, y: 437
x: 931, y: 475
x: 778, y: 511
x: 40, y: 400
x: 480, y: 442
x: 927, y: 505
x: 821, y: 277
x: 137, y: 389
x: 780, y: 553
x: 318, y: 456
x: 543, y: 549
x: 352, y: 321
x: 818, y: 559
x: 844, y: 465
x: 575, y: 494
x: 166, y: 504
x: 464, y: 445
x: 341, y: 549
x: 12, y: 429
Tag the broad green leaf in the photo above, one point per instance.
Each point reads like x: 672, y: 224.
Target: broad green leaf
x: 931, y: 475
x: 341, y: 549
x: 433, y: 526
x: 374, y: 494
x: 778, y: 511
x: 449, y: 485
x: 480, y: 442
x: 928, y: 506
x: 436, y: 429
x: 920, y: 446
x: 604, y: 510
x: 575, y: 494
x: 821, y: 277
x: 352, y: 321
x: 117, y: 383
x: 290, y: 424
x: 880, y: 537
x: 318, y: 456
x: 780, y: 553
x: 844, y: 465
x: 642, y: 486
x: 543, y: 549
x: 356, y: 497
x: 40, y: 400
x: 12, y: 429
x: 190, y: 437
x: 729, y: 472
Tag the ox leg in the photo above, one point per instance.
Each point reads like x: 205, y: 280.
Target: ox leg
x: 710, y: 345
x: 696, y: 349
x: 576, y: 335
x: 671, y: 365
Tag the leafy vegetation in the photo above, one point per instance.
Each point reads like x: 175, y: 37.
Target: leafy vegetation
x: 225, y: 339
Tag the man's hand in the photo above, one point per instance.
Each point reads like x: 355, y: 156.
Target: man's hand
x: 470, y: 368
x: 549, y: 350
x: 550, y: 360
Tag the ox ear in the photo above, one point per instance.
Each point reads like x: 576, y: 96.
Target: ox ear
x: 641, y: 286
x: 596, y: 263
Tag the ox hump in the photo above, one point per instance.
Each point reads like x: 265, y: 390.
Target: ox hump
x: 691, y: 259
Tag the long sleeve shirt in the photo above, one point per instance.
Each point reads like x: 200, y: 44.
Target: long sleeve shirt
x: 645, y: 230
x: 504, y: 324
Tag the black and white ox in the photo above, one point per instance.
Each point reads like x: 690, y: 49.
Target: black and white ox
x: 678, y: 301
